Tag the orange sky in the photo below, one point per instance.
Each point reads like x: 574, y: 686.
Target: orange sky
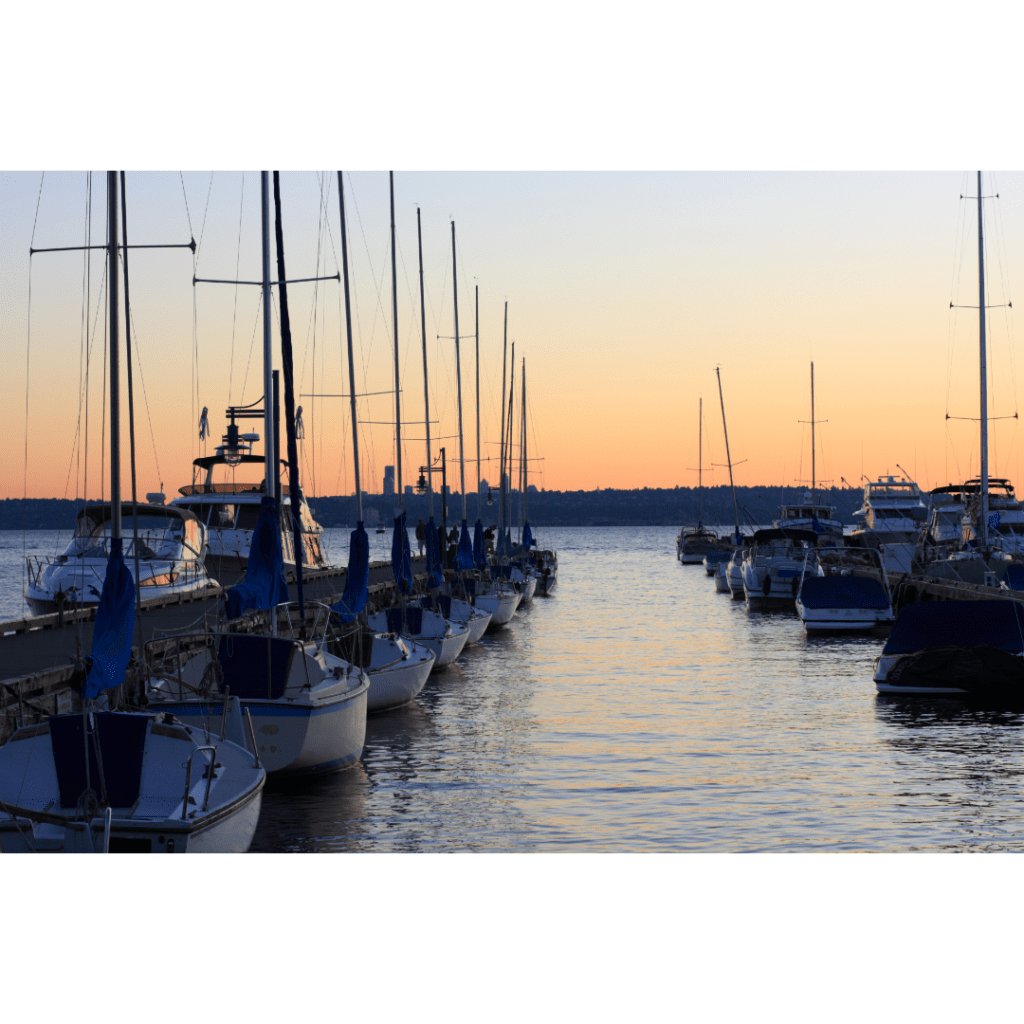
x: 625, y: 290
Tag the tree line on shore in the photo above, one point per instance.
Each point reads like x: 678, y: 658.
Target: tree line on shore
x: 647, y: 506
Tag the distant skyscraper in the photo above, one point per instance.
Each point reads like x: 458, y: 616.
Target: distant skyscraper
x: 389, y: 480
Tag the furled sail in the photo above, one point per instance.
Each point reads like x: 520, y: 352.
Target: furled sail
x: 479, y: 546
x: 528, y: 540
x: 434, y: 575
x: 264, y: 585
x: 357, y: 577
x: 464, y: 554
x: 112, y: 633
x: 401, y: 554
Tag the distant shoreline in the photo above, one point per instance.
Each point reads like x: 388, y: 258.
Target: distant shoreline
x: 640, y: 507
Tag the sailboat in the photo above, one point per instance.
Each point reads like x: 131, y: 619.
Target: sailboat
x: 104, y: 780
x: 443, y: 637
x: 812, y: 513
x: 494, y: 593
x: 458, y: 607
x: 309, y: 703
x: 397, y: 668
x: 694, y: 542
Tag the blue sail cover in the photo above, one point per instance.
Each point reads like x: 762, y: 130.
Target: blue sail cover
x: 434, y: 576
x: 1014, y: 576
x: 264, y: 585
x: 401, y: 555
x: 957, y: 624
x: 528, y: 540
x: 500, y: 547
x: 479, y: 546
x: 112, y: 633
x: 464, y: 554
x: 843, y: 592
x: 357, y: 577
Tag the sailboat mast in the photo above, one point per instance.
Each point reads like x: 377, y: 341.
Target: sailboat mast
x: 700, y: 463
x: 813, y: 478
x: 269, y: 452
x: 501, y: 446
x: 522, y: 448
x: 508, y: 443
x: 728, y: 457
x: 426, y: 390
x: 394, y: 320
x: 458, y: 377
x: 348, y: 327
x: 476, y: 289
x: 984, y: 374
x: 115, y: 366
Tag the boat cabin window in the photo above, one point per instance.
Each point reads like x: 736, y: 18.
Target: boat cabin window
x: 248, y: 516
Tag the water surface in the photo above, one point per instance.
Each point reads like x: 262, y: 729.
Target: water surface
x: 639, y: 710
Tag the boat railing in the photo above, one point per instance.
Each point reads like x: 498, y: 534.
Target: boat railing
x: 188, y: 779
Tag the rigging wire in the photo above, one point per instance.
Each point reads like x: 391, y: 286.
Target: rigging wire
x: 28, y: 366
x: 234, y: 314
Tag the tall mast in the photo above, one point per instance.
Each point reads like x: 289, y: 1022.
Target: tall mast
x: 458, y: 377
x: 115, y: 366
x: 269, y: 452
x: 508, y: 443
x: 476, y: 289
x: 501, y: 445
x: 351, y: 361
x: 522, y: 453
x: 394, y: 320
x: 984, y: 374
x: 426, y: 391
x: 728, y: 457
x: 700, y: 464
x: 813, y: 478
x: 525, y: 463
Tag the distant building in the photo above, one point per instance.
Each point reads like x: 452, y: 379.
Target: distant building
x: 389, y: 480
x: 408, y: 490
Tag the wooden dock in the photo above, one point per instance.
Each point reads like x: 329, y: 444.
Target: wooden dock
x: 37, y: 653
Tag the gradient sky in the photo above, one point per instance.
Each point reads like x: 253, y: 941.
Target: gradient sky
x: 625, y: 290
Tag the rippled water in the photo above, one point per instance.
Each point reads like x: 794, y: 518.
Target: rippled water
x: 638, y: 710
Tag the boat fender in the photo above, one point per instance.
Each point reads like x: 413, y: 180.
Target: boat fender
x: 766, y: 585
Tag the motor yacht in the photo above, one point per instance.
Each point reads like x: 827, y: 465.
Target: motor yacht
x: 172, y: 546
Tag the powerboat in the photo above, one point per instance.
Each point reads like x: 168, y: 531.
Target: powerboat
x: 172, y: 546
x: 847, y: 594
x: 229, y: 509
x: 955, y: 649
x: 810, y: 514
x: 774, y: 567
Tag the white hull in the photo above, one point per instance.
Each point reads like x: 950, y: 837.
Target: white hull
x: 221, y: 820
x: 295, y: 737
x: 819, y: 620
x: 502, y: 606
x: 476, y: 620
x: 444, y: 638
x: 398, y: 672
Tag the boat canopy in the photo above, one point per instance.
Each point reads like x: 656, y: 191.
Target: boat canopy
x: 1014, y: 576
x: 843, y: 592
x: 766, y: 536
x: 957, y: 624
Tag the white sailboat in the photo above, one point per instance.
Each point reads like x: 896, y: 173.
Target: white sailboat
x: 99, y: 780
x: 310, y: 707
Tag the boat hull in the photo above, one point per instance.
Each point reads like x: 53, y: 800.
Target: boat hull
x: 293, y: 737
